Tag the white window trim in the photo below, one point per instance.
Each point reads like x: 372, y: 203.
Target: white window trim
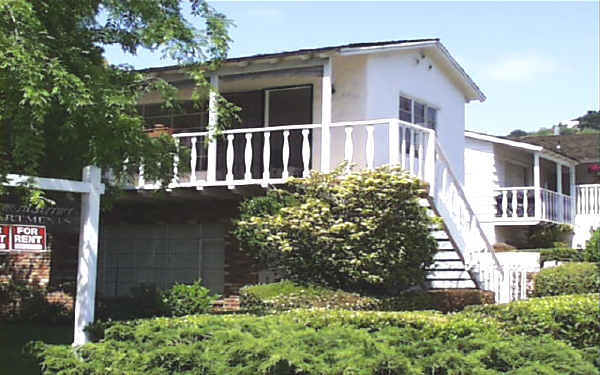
x: 412, y: 107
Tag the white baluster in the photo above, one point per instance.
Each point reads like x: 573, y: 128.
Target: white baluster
x: 370, y: 146
x: 411, y: 153
x: 230, y: 156
x: 504, y: 204
x: 421, y: 155
x: 286, y: 154
x: 305, y: 153
x: 514, y: 203
x: 394, y: 141
x: 403, y: 147
x: 175, y: 163
x: 525, y: 202
x: 266, y: 158
x: 141, y: 180
x: 348, y: 148
x: 248, y: 157
x: 193, y: 160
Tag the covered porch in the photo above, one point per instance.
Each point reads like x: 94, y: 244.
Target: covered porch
x: 543, y: 190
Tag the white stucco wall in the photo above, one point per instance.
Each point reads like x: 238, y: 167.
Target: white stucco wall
x: 393, y: 73
x: 481, y: 178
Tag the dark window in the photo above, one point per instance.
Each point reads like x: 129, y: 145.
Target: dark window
x: 405, y: 109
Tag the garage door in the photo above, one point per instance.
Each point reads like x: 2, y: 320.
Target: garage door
x: 130, y: 255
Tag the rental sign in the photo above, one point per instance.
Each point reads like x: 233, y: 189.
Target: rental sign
x: 22, y: 237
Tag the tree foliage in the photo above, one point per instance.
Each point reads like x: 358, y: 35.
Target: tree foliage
x: 588, y: 123
x: 63, y: 106
x: 364, y: 232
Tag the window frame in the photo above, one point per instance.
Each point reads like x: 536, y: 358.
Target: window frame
x: 427, y: 106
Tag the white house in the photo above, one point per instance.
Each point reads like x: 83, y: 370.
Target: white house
x: 397, y: 102
x: 515, y: 184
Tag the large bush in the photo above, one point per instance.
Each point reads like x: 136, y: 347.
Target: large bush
x: 568, y: 278
x: 316, y: 342
x: 285, y: 296
x: 364, y: 232
x: 570, y: 318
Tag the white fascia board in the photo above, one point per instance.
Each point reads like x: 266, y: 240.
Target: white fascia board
x: 491, y: 138
x: 349, y: 51
x: 475, y: 92
x: 557, y: 158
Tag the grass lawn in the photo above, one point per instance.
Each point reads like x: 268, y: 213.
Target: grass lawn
x: 14, y: 335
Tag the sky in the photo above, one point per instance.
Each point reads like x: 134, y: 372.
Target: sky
x: 537, y: 62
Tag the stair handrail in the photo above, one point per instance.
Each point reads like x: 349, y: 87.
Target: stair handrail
x: 461, y: 194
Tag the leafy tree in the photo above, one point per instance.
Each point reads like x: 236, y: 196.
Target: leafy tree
x: 364, y: 232
x: 590, y: 120
x: 62, y: 106
x: 517, y: 133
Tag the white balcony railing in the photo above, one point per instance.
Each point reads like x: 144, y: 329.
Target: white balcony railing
x: 270, y: 155
x: 588, y: 199
x: 527, y: 203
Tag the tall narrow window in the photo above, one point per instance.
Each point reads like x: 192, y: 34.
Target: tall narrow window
x: 431, y: 119
x: 419, y: 113
x: 405, y: 109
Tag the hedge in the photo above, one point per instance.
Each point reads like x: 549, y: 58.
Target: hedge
x: 574, y: 319
x: 568, y: 278
x: 315, y: 342
x: 286, y: 295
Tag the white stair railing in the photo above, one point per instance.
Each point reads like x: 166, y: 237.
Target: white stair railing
x: 464, y: 227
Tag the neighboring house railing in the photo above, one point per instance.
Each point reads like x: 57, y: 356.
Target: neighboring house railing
x: 528, y: 203
x: 588, y: 199
x: 269, y: 155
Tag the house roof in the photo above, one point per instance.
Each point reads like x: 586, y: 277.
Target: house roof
x: 466, y: 83
x: 583, y: 147
x: 553, y: 152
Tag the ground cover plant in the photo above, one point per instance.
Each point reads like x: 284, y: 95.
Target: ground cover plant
x: 363, y: 232
x: 316, y: 342
x: 287, y: 295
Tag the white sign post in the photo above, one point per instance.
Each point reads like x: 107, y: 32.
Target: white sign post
x: 91, y: 190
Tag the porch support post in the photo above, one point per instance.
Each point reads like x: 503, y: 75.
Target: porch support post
x: 572, y: 192
x: 536, y: 185
x: 211, y: 169
x: 88, y: 255
x: 560, y: 201
x: 326, y: 117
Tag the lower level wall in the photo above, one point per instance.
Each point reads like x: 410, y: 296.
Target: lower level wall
x: 26, y: 268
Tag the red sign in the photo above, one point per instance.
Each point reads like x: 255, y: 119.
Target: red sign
x: 594, y: 168
x: 28, y: 237
x: 4, y: 237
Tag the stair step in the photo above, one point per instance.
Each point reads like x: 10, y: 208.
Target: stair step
x: 439, y: 235
x: 448, y: 265
x: 448, y: 275
x: 446, y: 255
x: 445, y: 245
x: 451, y: 284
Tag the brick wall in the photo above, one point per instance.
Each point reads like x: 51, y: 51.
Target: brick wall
x: 30, y: 268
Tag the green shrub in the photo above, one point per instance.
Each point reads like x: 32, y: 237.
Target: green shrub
x: 592, y: 248
x: 568, y: 278
x: 571, y: 318
x: 185, y: 299
x: 286, y: 295
x: 147, y: 301
x: 561, y: 254
x: 547, y: 235
x: 364, y: 232
x: 315, y: 342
